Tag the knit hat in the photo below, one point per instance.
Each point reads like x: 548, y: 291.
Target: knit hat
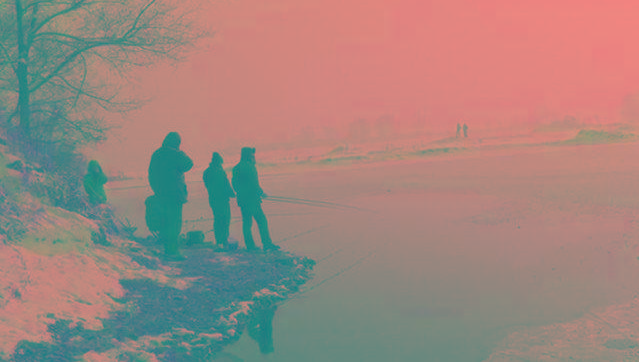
x: 247, y: 152
x: 216, y: 159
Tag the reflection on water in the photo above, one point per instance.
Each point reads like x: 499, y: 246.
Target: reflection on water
x: 260, y: 328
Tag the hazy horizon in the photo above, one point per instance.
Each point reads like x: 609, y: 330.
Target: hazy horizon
x: 283, y: 70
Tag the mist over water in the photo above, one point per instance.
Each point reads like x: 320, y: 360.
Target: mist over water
x: 429, y: 246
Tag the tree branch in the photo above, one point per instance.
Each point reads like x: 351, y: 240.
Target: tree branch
x: 75, y: 5
x: 137, y: 19
x: 64, y: 63
x: 80, y: 91
x: 72, y: 37
x: 84, y: 78
x: 7, y: 57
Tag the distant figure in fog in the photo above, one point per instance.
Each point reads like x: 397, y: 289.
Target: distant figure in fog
x: 220, y: 191
x: 458, y: 134
x: 166, y: 178
x: 249, y: 199
x: 94, y: 182
x: 465, y: 131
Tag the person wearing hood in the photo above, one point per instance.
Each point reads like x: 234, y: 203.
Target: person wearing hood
x: 94, y: 182
x: 220, y: 191
x: 166, y: 178
x: 249, y: 198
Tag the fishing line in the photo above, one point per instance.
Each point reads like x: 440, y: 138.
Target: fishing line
x: 301, y: 203
x: 341, y: 272
x: 316, y: 202
x: 308, y: 200
x: 359, y: 261
x: 303, y: 233
x: 239, y: 217
x: 127, y: 187
x: 208, y: 219
x: 329, y: 256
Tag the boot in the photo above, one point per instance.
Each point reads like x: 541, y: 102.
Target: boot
x: 271, y: 246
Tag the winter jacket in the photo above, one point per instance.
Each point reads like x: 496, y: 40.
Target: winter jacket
x: 246, y: 184
x: 94, y: 182
x: 217, y: 184
x: 166, y: 172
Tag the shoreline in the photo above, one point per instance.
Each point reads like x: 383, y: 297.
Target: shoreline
x: 188, y: 310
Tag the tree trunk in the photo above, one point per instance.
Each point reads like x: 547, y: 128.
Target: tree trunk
x: 22, y: 73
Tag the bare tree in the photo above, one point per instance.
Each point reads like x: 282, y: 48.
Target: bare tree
x: 64, y: 61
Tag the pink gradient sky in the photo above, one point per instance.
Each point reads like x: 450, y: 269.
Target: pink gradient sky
x: 278, y: 66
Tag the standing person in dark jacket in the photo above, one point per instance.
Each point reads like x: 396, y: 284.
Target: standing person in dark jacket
x: 166, y: 177
x: 94, y: 182
x: 249, y: 199
x: 220, y: 191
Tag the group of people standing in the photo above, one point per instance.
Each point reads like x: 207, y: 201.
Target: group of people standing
x: 164, y: 208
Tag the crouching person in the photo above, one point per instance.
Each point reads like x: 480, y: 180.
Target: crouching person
x: 94, y: 182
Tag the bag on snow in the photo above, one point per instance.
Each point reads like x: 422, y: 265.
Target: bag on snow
x: 153, y: 214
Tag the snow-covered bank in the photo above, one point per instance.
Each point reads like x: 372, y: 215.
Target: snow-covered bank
x: 71, y: 288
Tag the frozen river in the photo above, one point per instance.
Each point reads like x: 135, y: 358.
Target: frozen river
x: 445, y: 256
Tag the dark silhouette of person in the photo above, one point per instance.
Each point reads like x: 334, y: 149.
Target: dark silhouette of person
x: 94, y: 182
x: 458, y: 131
x: 220, y: 191
x: 166, y: 178
x: 465, y: 131
x: 249, y: 198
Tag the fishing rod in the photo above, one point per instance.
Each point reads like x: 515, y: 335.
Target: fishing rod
x: 188, y: 221
x: 301, y: 203
x: 313, y: 201
x: 291, y: 200
x: 316, y: 203
x: 127, y: 187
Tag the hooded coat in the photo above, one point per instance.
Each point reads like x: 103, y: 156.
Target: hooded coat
x: 217, y: 184
x: 245, y: 180
x: 94, y: 182
x: 167, y: 169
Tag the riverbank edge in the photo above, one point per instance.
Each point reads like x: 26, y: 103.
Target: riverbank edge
x: 235, y: 318
x: 177, y: 343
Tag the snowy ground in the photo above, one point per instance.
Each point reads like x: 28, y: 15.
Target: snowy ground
x: 70, y: 291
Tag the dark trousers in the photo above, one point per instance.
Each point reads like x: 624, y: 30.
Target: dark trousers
x: 221, y: 221
x: 250, y: 212
x: 171, y: 226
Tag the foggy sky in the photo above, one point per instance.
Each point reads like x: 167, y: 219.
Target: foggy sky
x: 278, y: 66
